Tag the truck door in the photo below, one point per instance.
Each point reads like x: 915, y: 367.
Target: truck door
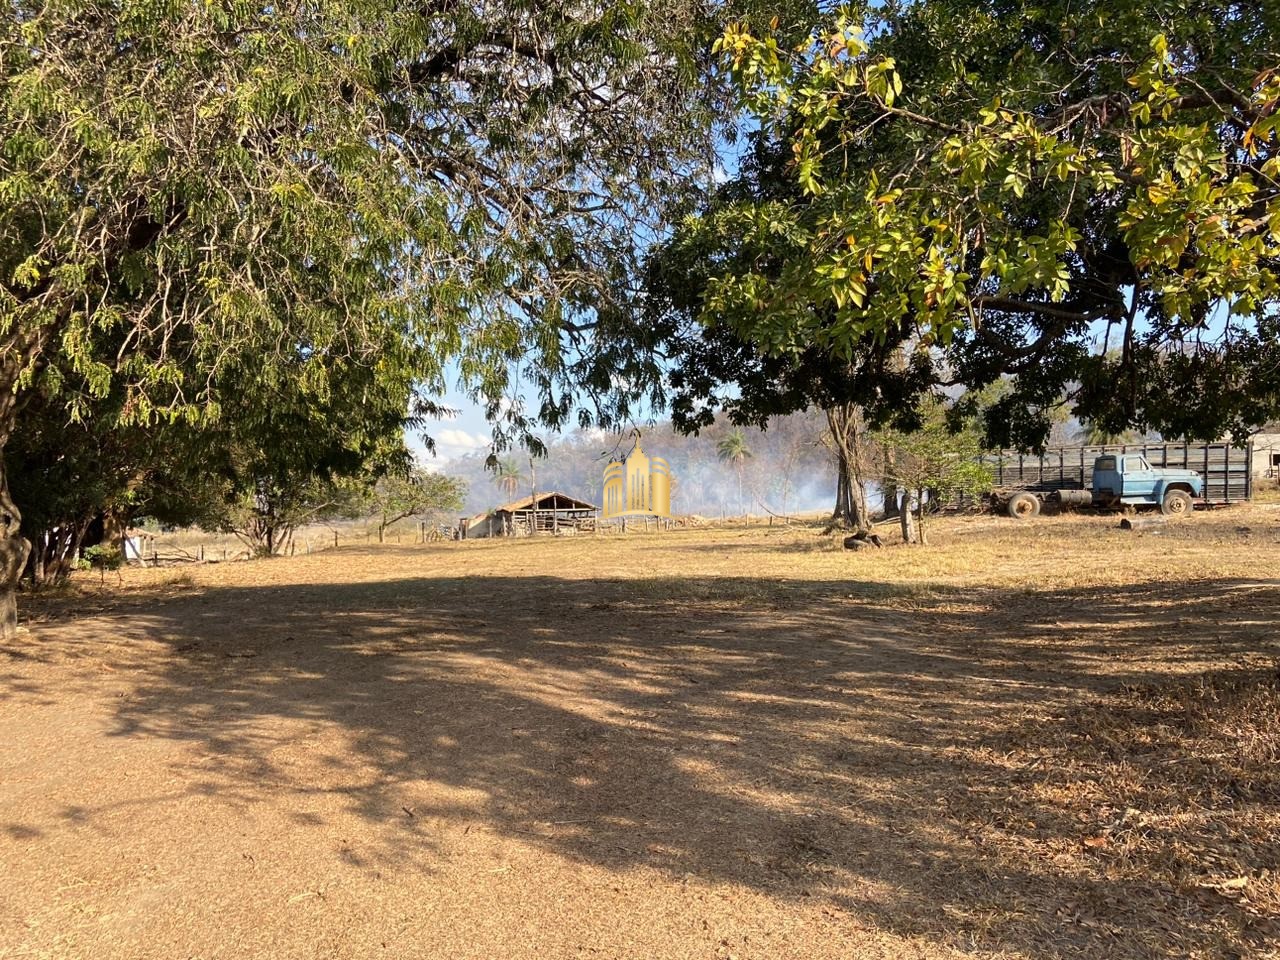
x: 1139, y: 479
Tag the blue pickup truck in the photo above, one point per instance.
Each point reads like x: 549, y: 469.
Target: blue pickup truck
x: 1128, y: 480
x: 1120, y: 480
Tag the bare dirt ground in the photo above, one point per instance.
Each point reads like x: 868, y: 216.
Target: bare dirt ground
x: 1047, y: 740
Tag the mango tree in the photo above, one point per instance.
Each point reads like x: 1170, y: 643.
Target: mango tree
x: 1080, y: 198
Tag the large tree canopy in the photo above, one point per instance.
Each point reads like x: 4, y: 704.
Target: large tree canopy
x: 1080, y: 196
x: 207, y: 200
x: 303, y: 182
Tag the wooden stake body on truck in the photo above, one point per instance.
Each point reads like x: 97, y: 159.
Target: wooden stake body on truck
x: 1064, y: 475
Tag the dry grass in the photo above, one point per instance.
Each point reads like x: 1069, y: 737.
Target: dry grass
x: 1047, y: 740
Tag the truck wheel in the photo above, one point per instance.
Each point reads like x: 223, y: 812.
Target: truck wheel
x: 1024, y: 506
x: 1176, y: 503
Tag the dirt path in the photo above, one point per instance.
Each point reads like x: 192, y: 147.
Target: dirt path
x: 706, y: 745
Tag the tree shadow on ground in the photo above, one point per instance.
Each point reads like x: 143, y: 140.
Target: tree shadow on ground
x: 795, y: 738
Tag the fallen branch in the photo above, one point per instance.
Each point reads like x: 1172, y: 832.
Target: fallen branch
x: 1129, y: 523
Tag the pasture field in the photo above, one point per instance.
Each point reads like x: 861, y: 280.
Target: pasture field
x: 1048, y: 741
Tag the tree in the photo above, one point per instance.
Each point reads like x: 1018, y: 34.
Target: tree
x: 733, y: 448
x: 508, y: 475
x: 196, y: 199
x: 718, y: 365
x: 1004, y: 183
x: 935, y: 462
x: 845, y: 430
x: 415, y: 493
x: 266, y: 517
x: 85, y: 480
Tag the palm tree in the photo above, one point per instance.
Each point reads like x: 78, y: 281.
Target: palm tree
x: 508, y: 476
x: 733, y: 448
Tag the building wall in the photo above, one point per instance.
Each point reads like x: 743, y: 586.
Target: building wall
x: 1266, y: 455
x: 489, y: 526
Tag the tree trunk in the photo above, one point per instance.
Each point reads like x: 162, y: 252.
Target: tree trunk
x: 841, y: 511
x: 53, y: 555
x: 907, y: 519
x: 114, y: 527
x: 921, y: 537
x: 13, y: 557
x: 888, y: 486
x: 533, y: 498
x: 851, y: 496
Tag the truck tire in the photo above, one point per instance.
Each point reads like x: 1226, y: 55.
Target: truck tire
x: 1176, y: 503
x: 1024, y: 506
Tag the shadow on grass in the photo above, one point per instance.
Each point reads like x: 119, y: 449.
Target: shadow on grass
x: 803, y: 739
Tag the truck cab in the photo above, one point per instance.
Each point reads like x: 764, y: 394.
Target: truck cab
x: 1127, y: 479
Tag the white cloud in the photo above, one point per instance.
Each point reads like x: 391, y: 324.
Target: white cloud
x: 460, y: 440
x: 452, y: 443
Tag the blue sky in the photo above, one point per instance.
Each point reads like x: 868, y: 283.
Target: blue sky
x: 455, y: 436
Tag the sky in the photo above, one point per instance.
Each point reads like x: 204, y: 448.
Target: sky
x: 464, y: 433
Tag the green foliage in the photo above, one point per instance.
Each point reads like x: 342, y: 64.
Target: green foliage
x: 415, y: 493
x: 508, y: 476
x: 104, y: 556
x: 241, y: 246
x: 734, y: 448
x: 196, y: 198
x: 265, y: 517
x: 941, y: 455
x: 993, y: 185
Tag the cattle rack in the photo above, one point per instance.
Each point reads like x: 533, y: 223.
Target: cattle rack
x: 1226, y: 469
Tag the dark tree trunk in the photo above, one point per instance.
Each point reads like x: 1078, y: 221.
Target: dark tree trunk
x: 53, y: 555
x: 17, y: 351
x: 115, y: 524
x: 533, y: 498
x: 13, y: 557
x: 844, y: 497
x: 851, y: 499
x: 889, y: 487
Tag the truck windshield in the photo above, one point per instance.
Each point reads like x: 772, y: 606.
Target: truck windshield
x: 1105, y: 463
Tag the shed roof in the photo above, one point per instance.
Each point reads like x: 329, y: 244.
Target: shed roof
x: 551, y: 500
